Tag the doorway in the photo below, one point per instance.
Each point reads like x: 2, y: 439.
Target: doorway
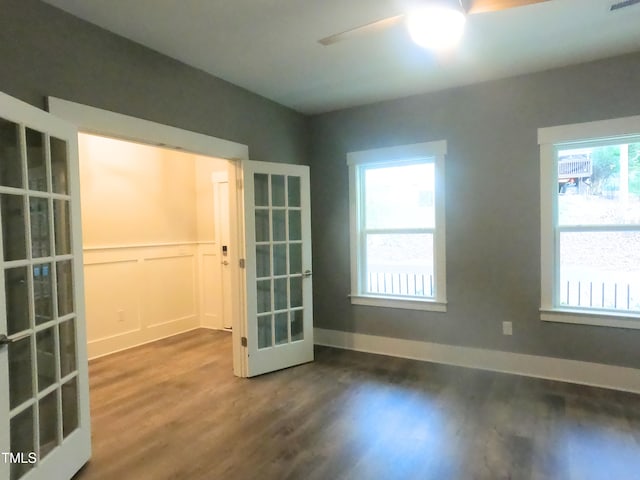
x: 153, y: 225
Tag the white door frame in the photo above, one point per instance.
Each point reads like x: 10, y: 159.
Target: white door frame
x: 106, y: 123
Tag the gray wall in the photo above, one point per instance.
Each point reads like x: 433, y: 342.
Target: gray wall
x: 492, y: 207
x: 44, y: 51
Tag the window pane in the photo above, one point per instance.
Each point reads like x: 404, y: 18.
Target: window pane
x: 294, y: 191
x: 13, y: 231
x: 20, y: 380
x: 599, y: 185
x: 59, y: 165
x: 279, y: 226
x: 264, y: 295
x: 67, y: 341
x: 400, y: 197
x: 65, y: 287
x: 263, y: 255
x: 22, y: 442
x: 40, y: 232
x: 262, y: 225
x: 261, y: 189
x: 264, y: 332
x: 282, y: 328
x: 62, y: 227
x: 600, y: 270
x: 277, y: 190
x: 42, y: 293
x: 280, y: 259
x: 10, y: 158
x: 16, y: 289
x: 48, y: 413
x: 297, y: 325
x: 69, y: 406
x: 400, y: 265
x: 36, y: 163
x: 46, y: 358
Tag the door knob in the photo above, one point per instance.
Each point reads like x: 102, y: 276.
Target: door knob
x: 307, y: 273
x: 225, y: 262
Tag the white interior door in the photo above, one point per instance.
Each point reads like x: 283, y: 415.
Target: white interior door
x: 222, y: 195
x: 278, y: 321
x: 44, y: 395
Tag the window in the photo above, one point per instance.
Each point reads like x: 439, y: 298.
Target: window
x: 590, y: 214
x: 397, y: 226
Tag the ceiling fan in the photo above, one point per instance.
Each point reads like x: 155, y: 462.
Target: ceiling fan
x: 434, y: 18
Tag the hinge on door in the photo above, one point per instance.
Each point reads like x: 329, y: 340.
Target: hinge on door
x: 242, y: 263
x: 243, y: 341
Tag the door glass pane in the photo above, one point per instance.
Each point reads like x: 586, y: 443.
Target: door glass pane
x: 282, y: 328
x: 264, y: 296
x: 69, y: 406
x: 263, y: 266
x: 277, y: 191
x: 64, y: 278
x: 261, y: 190
x: 62, y: 227
x: 37, y: 171
x: 297, y: 330
x: 10, y: 158
x: 42, y: 293
x: 296, y: 291
x: 67, y: 340
x: 280, y: 293
x: 279, y: 227
x: 17, y: 299
x: 48, y: 416
x: 20, y: 379
x: 59, y: 171
x: 294, y: 191
x: 295, y: 228
x: 40, y: 234
x: 13, y: 227
x: 262, y: 225
x: 264, y: 331
x: 22, y: 442
x: 46, y: 355
x: 279, y: 259
x: 295, y: 258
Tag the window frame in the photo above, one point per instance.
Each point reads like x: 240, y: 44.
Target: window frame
x: 434, y: 152
x: 550, y: 139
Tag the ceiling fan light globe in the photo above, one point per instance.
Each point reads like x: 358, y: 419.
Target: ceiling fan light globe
x: 436, y: 28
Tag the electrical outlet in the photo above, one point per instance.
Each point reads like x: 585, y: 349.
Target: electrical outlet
x: 507, y: 328
x: 121, y: 315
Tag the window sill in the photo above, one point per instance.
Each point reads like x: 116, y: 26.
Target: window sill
x: 399, y: 302
x: 604, y: 319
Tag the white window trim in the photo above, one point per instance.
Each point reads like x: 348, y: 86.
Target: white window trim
x: 403, y: 153
x: 548, y: 138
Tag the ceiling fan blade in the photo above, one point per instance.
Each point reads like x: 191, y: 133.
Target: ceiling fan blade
x: 624, y: 4
x: 483, y: 6
x: 366, y: 29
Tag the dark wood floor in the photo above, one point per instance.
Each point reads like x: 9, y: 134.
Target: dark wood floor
x: 174, y: 410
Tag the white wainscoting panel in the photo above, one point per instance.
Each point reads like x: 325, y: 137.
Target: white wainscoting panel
x: 138, y: 294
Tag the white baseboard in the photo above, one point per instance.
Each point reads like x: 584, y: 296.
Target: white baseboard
x: 571, y: 371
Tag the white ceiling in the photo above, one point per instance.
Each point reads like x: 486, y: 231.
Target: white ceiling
x: 270, y: 46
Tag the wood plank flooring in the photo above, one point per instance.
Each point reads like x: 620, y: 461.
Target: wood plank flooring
x: 174, y: 410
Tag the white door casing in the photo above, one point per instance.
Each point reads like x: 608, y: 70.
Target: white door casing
x: 44, y: 391
x: 278, y: 322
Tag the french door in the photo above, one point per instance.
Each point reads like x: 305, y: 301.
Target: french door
x: 279, y: 324
x: 44, y: 398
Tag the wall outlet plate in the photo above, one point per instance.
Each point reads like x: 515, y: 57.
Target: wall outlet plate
x: 507, y: 328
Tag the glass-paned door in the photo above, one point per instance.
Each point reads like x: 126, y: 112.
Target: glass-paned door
x: 279, y: 326
x: 44, y: 414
